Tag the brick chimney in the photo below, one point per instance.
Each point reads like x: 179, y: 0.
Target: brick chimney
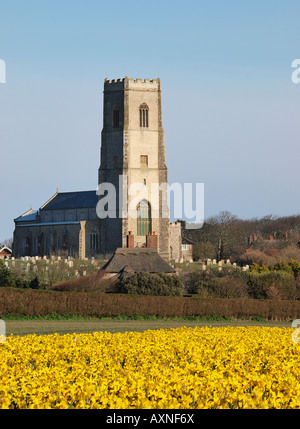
x: 130, y: 240
x: 151, y: 240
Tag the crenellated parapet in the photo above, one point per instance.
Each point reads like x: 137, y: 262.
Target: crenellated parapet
x: 130, y: 83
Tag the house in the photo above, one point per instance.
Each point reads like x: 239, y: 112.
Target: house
x: 187, y: 249
x: 5, y: 252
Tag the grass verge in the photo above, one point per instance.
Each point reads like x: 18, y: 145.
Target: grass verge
x: 71, y: 326
x: 56, y: 316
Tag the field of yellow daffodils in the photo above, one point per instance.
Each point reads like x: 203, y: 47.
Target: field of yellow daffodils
x: 232, y: 367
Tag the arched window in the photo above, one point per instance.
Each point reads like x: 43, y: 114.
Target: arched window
x: 28, y: 244
x: 94, y: 240
x: 143, y: 218
x: 144, y: 115
x: 116, y: 117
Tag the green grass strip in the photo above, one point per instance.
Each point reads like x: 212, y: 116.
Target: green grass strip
x: 56, y: 316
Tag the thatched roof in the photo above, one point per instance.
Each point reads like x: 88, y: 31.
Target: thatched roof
x: 134, y: 260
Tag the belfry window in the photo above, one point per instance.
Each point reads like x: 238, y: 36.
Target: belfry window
x: 116, y: 117
x: 143, y: 218
x: 144, y: 115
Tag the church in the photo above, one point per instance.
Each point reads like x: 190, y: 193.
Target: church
x: 132, y: 148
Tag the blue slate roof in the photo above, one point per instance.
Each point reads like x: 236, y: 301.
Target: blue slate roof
x: 28, y: 216
x: 72, y: 200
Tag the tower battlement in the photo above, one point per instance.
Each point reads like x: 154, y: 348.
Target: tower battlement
x: 128, y: 82
x: 107, y: 81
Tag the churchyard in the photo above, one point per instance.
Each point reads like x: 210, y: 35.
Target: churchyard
x: 56, y: 269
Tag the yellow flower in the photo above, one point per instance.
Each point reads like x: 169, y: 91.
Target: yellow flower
x: 253, y: 367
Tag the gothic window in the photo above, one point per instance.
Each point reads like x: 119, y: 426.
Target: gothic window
x: 116, y: 117
x: 34, y: 246
x: 54, y: 242
x: 143, y: 218
x: 28, y: 244
x: 94, y: 240
x: 59, y: 242
x: 144, y: 160
x: 144, y: 115
x: 115, y: 162
x: 40, y: 244
x: 65, y: 240
x: 46, y: 245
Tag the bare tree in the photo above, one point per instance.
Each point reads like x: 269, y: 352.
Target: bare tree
x: 8, y: 242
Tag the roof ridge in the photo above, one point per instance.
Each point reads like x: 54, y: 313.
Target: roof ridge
x: 50, y: 199
x: 5, y: 247
x: 77, y: 192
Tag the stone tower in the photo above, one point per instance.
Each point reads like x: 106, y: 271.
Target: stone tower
x: 133, y: 147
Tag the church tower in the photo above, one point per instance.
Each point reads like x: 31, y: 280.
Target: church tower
x: 133, y: 161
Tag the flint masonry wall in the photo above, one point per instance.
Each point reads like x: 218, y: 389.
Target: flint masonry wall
x: 47, y: 240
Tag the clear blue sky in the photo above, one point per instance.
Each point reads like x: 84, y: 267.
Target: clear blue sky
x: 230, y: 110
